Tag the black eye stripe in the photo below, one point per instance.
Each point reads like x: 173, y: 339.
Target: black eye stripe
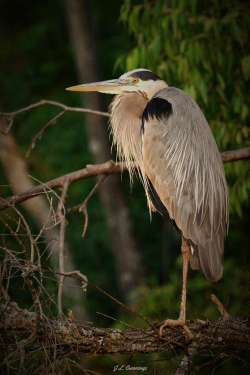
x: 145, y: 75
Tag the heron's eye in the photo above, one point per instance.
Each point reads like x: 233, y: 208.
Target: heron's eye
x: 135, y: 79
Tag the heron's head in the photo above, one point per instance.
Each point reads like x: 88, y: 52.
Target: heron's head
x: 140, y: 81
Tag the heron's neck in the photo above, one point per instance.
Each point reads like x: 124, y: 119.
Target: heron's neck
x: 126, y: 113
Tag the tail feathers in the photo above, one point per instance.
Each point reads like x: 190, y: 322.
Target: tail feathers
x: 209, y: 258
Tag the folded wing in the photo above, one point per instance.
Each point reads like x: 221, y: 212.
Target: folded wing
x: 184, y: 166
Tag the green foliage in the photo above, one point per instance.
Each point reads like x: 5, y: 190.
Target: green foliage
x: 203, y: 48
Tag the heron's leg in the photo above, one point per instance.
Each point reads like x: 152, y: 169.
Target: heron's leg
x: 181, y: 321
x: 185, y: 264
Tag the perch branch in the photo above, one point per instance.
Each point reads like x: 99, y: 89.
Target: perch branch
x: 65, y: 336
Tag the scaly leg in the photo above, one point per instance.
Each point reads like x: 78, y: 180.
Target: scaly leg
x: 181, y: 321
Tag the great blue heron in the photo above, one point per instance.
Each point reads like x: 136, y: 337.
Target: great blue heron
x: 164, y: 132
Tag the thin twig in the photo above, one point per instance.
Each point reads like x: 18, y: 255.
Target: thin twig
x: 10, y: 116
x: 28, y: 230
x: 39, y: 134
x: 85, y: 282
x: 61, y: 215
x: 220, y: 306
x: 114, y: 319
x: 84, y: 206
x: 78, y: 275
x: 121, y: 304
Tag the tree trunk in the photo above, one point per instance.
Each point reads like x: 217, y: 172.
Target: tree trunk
x: 15, y: 169
x: 128, y: 260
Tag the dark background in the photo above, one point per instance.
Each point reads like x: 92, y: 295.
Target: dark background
x: 201, y: 48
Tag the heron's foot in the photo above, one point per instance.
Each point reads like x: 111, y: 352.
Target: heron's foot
x: 176, y: 323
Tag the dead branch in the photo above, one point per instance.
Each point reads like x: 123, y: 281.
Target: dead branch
x: 106, y: 168
x: 61, y: 215
x: 42, y: 211
x: 84, y: 206
x: 78, y: 275
x: 220, y: 306
x: 10, y: 116
x: 39, y: 134
x: 65, y: 336
x: 235, y: 155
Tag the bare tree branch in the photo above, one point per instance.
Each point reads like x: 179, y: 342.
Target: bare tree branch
x: 220, y: 306
x: 84, y: 206
x: 44, y: 215
x: 10, y: 116
x: 106, y: 168
x: 90, y: 170
x: 61, y: 215
x: 78, y: 275
x: 235, y: 155
x: 39, y: 134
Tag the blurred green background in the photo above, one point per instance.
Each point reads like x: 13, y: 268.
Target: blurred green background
x: 200, y: 47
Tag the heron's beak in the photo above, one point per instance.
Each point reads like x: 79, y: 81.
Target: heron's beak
x: 113, y: 86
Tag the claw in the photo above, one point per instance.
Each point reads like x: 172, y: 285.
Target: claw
x: 176, y: 323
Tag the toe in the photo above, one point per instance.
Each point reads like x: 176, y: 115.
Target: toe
x: 175, y: 323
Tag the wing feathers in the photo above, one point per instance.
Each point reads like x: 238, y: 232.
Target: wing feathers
x: 189, y: 178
